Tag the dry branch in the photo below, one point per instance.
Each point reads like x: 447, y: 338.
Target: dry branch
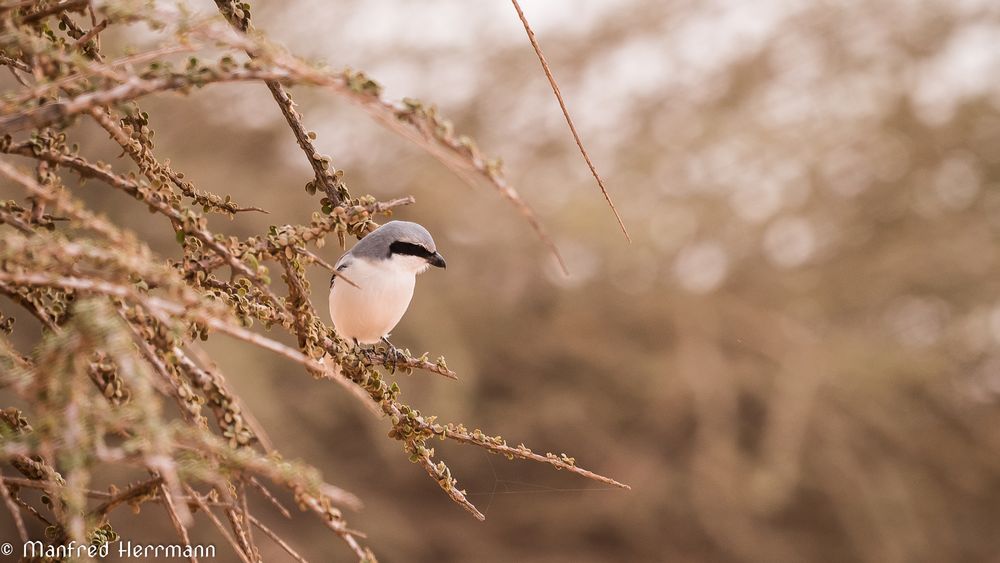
x: 117, y: 315
x: 569, y: 120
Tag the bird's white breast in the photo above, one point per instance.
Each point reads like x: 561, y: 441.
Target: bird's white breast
x: 368, y: 312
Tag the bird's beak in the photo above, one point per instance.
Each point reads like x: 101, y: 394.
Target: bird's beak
x: 437, y: 260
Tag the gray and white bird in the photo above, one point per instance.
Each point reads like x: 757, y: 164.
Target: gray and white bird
x: 384, y: 266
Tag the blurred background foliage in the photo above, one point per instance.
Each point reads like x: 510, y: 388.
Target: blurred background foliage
x: 798, y: 357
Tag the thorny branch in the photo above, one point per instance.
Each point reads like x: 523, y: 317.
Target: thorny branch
x: 120, y: 323
x: 336, y: 191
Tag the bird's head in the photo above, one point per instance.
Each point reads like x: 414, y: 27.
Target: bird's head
x: 404, y: 243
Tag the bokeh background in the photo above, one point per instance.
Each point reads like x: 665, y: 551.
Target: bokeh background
x: 796, y: 359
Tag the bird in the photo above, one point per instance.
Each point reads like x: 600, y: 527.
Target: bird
x: 381, y: 272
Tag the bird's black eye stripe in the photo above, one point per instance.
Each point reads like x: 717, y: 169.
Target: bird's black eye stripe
x: 410, y: 249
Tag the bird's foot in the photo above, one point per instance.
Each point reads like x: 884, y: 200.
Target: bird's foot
x: 395, y: 354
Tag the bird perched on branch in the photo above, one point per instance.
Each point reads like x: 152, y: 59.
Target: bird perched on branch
x: 377, y: 279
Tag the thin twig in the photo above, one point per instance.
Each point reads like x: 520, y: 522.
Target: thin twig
x: 332, y: 185
x: 326, y: 265
x: 9, y: 218
x: 133, y: 87
x: 335, y: 373
x: 55, y: 9
x: 218, y: 524
x: 31, y: 307
x: 105, y: 69
x: 454, y: 152
x: 243, y: 516
x: 15, y: 512
x: 386, y: 359
x: 131, y: 494
x: 159, y: 305
x: 270, y: 497
x: 338, y: 528
x: 569, y: 120
x: 175, y: 520
x: 150, y: 167
x: 14, y: 63
x: 448, y: 487
x: 92, y: 33
x: 50, y: 486
x: 32, y: 510
x: 8, y: 6
x: 135, y: 190
x: 522, y: 452
x: 270, y: 533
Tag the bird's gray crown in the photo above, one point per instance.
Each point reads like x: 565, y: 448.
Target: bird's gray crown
x: 378, y: 242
